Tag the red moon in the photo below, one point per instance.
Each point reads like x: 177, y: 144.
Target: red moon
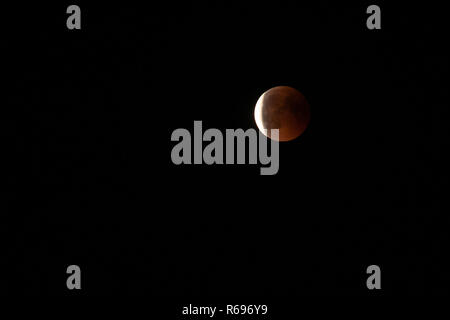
x: 282, y: 108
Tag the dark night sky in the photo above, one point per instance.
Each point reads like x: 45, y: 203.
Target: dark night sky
x: 87, y: 118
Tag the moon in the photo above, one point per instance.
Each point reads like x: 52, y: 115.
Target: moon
x: 282, y: 108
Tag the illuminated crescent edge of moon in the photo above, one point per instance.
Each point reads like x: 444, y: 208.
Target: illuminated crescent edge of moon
x: 258, y: 115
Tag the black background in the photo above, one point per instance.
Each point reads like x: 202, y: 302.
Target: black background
x: 87, y: 117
